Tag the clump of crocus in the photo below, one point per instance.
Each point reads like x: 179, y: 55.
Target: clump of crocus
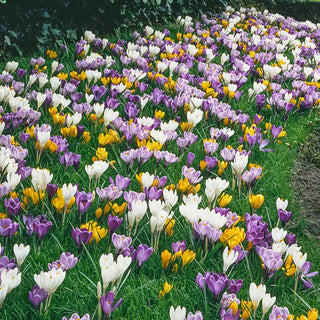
x: 180, y: 257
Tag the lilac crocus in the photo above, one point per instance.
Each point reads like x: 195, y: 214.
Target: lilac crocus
x: 177, y: 246
x: 37, y: 295
x: 121, y: 242
x: 143, y: 253
x: 279, y: 313
x: 234, y: 286
x: 66, y: 262
x: 51, y: 190
x: 306, y: 276
x: 272, y: 260
x: 192, y: 175
x: 107, y: 303
x: 75, y: 316
x: 196, y: 316
x: 81, y: 236
x: 190, y: 158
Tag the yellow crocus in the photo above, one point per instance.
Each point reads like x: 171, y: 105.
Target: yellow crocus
x: 224, y: 200
x: 233, y: 236
x: 166, y: 288
x: 256, y: 201
x: 187, y: 257
x: 165, y: 257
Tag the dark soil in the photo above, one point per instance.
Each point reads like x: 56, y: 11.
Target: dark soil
x: 306, y: 182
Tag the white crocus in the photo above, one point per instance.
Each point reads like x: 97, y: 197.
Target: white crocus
x: 21, y: 252
x: 11, y: 278
x: 299, y: 259
x: 55, y: 83
x: 147, y: 180
x: 178, y: 313
x: 68, y: 191
x: 43, y: 137
x: 51, y: 280
x: 278, y: 234
x: 3, y: 293
x: 214, y: 187
x: 256, y: 294
x: 281, y: 204
x: 194, y: 117
x: 13, y: 179
x: 40, y: 178
x: 137, y: 212
x: 267, y: 303
x: 170, y: 198
x: 54, y: 66
x: 89, y: 36
x: 110, y: 115
x: 41, y: 97
x: 229, y: 258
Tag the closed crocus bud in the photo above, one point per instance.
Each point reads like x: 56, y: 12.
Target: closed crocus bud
x: 37, y: 295
x: 281, y: 204
x: 256, y: 294
x: 21, y: 252
x: 267, y: 303
x: 178, y: 313
x: 299, y: 259
x: 256, y: 200
x: 68, y: 191
x: 229, y: 258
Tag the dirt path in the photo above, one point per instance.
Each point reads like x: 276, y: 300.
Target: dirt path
x: 306, y: 182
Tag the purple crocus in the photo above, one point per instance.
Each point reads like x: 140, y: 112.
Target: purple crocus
x: 107, y: 303
x: 83, y: 201
x: 12, y: 205
x: 8, y: 228
x: 37, y: 295
x: 41, y: 226
x: 306, y: 276
x: 81, y: 236
x: 114, y: 223
x: 51, y: 190
x: 284, y: 216
x: 143, y: 253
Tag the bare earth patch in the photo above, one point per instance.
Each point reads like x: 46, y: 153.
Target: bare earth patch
x: 306, y: 182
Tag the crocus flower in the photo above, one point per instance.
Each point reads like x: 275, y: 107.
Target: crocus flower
x: 66, y: 261
x: 8, y: 228
x: 75, y: 316
x: 12, y: 205
x: 143, y: 253
x: 114, y: 223
x: 37, y: 295
x: 107, y: 301
x: 21, y: 252
x: 178, y: 313
x: 81, y: 236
